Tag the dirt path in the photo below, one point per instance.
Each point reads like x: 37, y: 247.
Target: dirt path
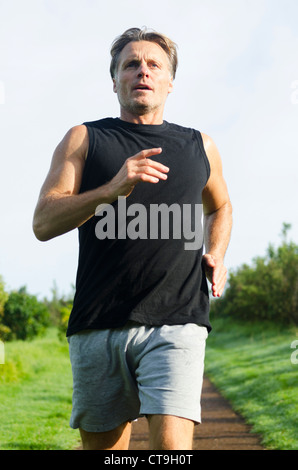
x: 221, y: 428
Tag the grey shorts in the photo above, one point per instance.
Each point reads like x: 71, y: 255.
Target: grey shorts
x: 123, y: 373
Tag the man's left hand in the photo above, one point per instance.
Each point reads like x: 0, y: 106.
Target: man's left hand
x: 216, y: 274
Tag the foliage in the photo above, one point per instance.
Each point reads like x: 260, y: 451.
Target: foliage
x: 251, y: 364
x: 266, y: 290
x: 60, y: 307
x: 36, y: 395
x: 65, y: 311
x: 4, y: 330
x: 3, y: 297
x: 24, y: 315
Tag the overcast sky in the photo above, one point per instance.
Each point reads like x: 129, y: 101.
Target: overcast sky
x: 237, y: 81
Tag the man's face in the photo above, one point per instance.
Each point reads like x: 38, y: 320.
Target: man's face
x: 143, y: 79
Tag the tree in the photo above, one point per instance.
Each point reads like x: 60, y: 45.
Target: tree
x: 266, y: 290
x: 57, y: 304
x: 24, y: 315
x: 4, y: 330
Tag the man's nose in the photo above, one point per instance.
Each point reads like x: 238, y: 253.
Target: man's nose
x: 143, y: 71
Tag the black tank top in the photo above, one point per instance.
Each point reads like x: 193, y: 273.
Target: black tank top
x: 146, y: 270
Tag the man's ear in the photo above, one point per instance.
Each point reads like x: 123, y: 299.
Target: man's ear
x: 171, y: 85
x: 114, y: 85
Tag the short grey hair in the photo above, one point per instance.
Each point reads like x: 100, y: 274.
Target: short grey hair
x: 137, y: 34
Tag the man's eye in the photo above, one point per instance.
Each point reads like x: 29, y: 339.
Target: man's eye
x: 132, y: 64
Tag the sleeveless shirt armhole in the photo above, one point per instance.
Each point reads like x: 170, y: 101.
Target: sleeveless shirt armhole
x: 206, y: 160
x: 91, y: 142
x: 89, y: 157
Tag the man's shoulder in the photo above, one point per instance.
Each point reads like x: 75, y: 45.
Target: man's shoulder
x: 100, y: 123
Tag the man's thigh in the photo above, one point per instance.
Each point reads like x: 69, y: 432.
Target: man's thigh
x: 104, y: 392
x: 170, y: 372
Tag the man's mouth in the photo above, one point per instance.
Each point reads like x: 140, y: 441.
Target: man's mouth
x: 142, y: 87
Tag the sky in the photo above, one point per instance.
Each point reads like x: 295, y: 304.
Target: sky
x: 237, y: 81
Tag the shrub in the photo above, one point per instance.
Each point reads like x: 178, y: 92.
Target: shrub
x: 4, y: 330
x: 65, y: 311
x: 24, y: 315
x: 267, y: 290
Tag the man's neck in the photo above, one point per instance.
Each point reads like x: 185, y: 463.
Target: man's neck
x: 150, y: 118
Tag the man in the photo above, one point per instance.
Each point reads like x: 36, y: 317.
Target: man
x: 139, y: 322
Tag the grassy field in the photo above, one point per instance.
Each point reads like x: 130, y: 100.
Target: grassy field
x: 35, y: 395
x: 251, y: 365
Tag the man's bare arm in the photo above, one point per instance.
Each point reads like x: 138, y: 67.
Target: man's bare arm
x: 62, y: 208
x: 58, y: 210
x: 217, y: 220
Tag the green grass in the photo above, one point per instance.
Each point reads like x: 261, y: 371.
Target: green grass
x: 36, y: 395
x: 251, y: 365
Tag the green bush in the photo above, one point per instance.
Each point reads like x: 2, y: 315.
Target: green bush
x: 4, y: 330
x: 266, y: 290
x: 24, y: 316
x: 64, y: 317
